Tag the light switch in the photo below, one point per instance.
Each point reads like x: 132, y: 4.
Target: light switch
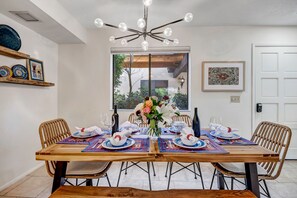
x: 235, y: 99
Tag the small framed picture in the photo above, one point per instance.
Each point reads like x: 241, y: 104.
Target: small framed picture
x: 223, y: 75
x: 35, y: 68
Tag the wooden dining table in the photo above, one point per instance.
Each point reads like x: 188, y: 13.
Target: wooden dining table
x: 248, y: 154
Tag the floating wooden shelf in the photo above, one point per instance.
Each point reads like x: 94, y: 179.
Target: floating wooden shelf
x: 12, y: 53
x: 25, y: 82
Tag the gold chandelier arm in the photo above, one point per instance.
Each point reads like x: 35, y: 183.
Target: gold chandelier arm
x: 160, y: 38
x: 132, y: 39
x: 170, y: 23
x: 128, y: 29
x: 117, y: 38
x: 145, y: 16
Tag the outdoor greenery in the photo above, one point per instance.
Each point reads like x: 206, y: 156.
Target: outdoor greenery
x: 181, y: 101
x: 118, y: 69
x: 131, y: 99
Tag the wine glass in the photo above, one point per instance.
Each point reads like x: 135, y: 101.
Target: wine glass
x: 107, y: 120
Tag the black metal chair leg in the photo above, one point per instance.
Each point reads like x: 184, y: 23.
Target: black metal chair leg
x: 166, y: 169
x: 89, y: 182
x: 126, y: 168
x: 98, y: 182
x: 121, y: 169
x: 170, y: 173
x: 153, y: 169
x: 266, y: 187
x: 212, y: 179
x: 195, y: 175
x: 200, y: 173
x: 225, y: 182
x: 107, y: 180
x: 76, y: 181
x: 232, y: 183
x: 149, y: 175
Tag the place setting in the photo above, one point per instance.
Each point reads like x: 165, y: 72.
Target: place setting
x: 121, y: 141
x: 187, y: 142
x: 223, y: 135
x: 86, y: 136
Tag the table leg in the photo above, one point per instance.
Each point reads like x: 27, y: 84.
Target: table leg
x: 59, y: 177
x: 252, y: 178
x: 220, y: 180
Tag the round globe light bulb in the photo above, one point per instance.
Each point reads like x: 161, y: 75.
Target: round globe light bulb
x: 124, y: 42
x: 175, y: 41
x: 145, y: 48
x: 166, y: 42
x: 98, y: 23
x: 188, y: 17
x: 141, y: 23
x: 144, y: 44
x: 147, y: 2
x: 112, y: 39
x: 167, y: 32
x: 123, y: 27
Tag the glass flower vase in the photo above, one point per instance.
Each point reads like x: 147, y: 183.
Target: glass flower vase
x: 154, y: 131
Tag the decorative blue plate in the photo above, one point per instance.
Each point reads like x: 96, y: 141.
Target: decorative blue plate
x: 106, y: 144
x: 9, y: 37
x: 5, y: 71
x: 218, y: 135
x: 19, y: 71
x: 198, y: 145
x: 78, y: 134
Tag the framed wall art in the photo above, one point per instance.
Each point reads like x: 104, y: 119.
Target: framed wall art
x: 35, y: 68
x: 223, y: 75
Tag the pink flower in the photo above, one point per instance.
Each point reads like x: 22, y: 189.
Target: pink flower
x: 147, y: 110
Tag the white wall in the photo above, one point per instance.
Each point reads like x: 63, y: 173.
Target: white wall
x: 84, y: 72
x: 23, y: 108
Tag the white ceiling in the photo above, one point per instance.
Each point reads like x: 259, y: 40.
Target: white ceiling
x: 67, y: 21
x: 206, y: 12
x: 47, y: 26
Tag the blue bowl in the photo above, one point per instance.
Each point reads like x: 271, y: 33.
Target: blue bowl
x: 9, y: 38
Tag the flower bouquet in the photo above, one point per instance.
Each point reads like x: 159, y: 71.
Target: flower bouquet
x: 156, y: 113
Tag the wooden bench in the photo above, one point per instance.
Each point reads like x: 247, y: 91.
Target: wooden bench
x: 89, y: 191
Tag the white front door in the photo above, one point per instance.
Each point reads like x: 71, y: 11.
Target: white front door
x: 275, y: 87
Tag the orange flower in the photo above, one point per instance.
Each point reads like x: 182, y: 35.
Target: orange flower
x: 149, y: 103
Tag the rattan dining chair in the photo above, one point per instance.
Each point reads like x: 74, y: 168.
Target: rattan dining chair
x: 131, y: 119
x: 53, y: 131
x: 187, y: 119
x: 272, y: 136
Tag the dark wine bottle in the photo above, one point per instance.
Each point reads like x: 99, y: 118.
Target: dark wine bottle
x: 196, y: 124
x: 115, y: 117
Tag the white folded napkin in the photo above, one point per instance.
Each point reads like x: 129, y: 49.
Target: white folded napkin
x: 128, y: 125
x: 119, y: 138
x: 220, y: 128
x: 187, y: 136
x: 90, y: 130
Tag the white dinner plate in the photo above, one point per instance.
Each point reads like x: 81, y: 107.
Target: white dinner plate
x: 77, y: 134
x: 200, y: 144
x: 233, y: 137
x: 106, y: 144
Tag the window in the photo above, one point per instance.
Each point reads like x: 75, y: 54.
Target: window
x: 137, y: 75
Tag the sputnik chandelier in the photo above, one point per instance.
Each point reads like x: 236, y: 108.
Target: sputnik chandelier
x: 154, y: 33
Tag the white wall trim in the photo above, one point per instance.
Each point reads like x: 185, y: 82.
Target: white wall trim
x: 16, y: 179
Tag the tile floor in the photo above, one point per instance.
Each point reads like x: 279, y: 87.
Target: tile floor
x: 38, y: 183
